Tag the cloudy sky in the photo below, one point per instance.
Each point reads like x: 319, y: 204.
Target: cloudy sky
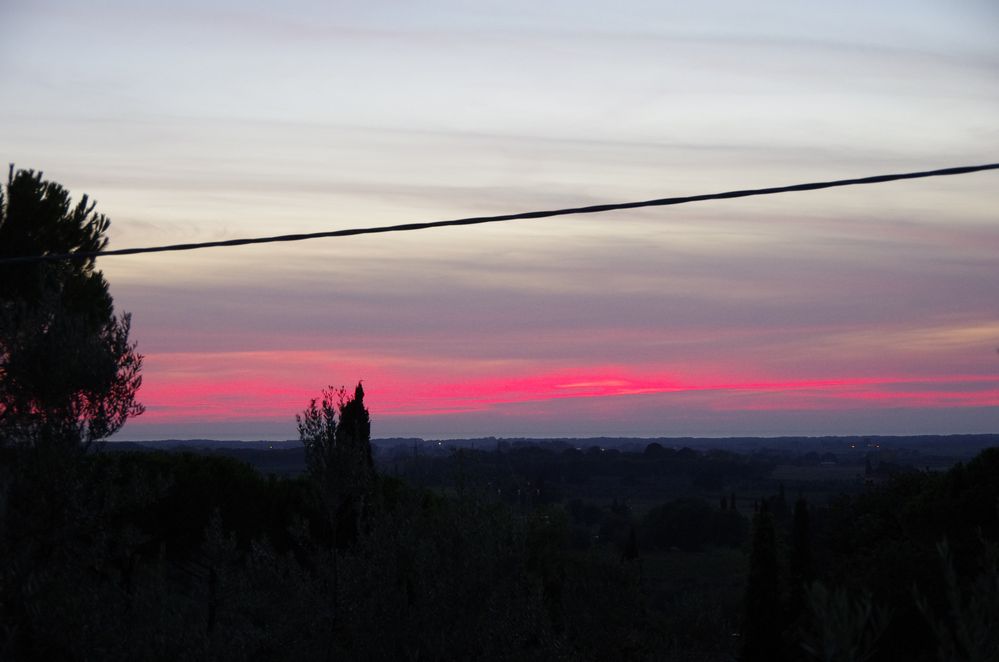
x: 860, y: 310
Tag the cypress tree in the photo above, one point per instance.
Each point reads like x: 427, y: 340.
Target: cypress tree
x: 630, y: 552
x: 761, y: 640
x: 800, y: 564
x: 778, y: 505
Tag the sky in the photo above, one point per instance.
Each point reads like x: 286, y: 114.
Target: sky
x: 865, y: 310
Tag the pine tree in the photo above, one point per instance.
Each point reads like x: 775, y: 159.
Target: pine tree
x: 68, y: 373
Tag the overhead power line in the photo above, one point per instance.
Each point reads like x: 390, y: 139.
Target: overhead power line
x: 477, y: 220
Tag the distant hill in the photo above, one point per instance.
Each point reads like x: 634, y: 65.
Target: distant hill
x: 208, y: 444
x: 288, y: 458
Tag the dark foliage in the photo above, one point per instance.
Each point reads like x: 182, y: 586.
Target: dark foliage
x: 68, y: 374
x: 692, y: 524
x: 885, y: 542
x: 905, y: 570
x: 151, y: 555
x: 761, y: 632
x: 800, y: 561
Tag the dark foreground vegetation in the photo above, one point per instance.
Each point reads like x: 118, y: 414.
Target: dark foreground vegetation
x: 166, y: 556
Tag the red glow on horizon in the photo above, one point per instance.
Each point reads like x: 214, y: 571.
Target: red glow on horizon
x: 189, y: 388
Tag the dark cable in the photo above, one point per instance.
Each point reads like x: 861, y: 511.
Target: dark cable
x: 476, y: 220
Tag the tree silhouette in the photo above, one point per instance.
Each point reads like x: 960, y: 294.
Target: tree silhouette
x: 761, y: 640
x: 800, y: 565
x: 338, y: 457
x: 68, y: 374
x: 778, y: 505
x: 630, y: 552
